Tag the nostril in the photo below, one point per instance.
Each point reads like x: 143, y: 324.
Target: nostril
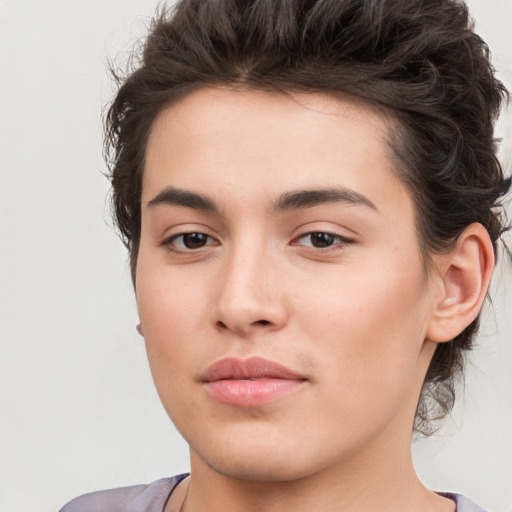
x: 244, y: 328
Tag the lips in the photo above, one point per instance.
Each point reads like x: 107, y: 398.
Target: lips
x: 249, y: 382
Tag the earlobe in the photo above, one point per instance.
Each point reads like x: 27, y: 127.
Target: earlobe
x: 465, y: 274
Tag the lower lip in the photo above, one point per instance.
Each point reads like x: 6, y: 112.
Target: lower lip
x: 251, y: 393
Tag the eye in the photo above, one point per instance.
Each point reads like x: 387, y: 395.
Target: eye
x: 188, y: 242
x: 321, y: 240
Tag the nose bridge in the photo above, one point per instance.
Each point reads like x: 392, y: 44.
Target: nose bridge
x: 249, y: 295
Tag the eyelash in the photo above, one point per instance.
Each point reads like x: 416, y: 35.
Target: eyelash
x: 341, y: 241
x: 168, y: 242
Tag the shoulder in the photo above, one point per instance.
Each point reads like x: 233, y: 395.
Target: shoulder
x: 136, y: 498
x: 463, y: 504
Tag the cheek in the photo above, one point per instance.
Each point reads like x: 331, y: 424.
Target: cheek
x: 379, y: 297
x: 173, y: 319
x: 169, y: 300
x: 368, y: 326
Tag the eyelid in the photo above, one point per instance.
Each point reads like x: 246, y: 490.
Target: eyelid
x: 167, y: 242
x: 184, y: 228
x: 343, y: 240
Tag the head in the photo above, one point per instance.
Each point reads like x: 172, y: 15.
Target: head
x: 415, y: 66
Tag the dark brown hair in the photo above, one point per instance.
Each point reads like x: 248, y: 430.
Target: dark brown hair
x: 418, y: 59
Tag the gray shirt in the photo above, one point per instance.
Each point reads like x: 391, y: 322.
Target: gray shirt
x: 153, y: 498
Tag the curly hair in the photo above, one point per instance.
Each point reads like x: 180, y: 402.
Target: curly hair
x: 420, y: 60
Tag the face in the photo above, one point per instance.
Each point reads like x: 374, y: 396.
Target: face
x: 279, y: 282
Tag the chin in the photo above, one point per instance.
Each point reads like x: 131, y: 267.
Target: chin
x: 258, y: 462
x: 258, y: 468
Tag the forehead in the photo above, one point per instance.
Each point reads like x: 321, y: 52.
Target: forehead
x: 257, y: 144
x: 245, y: 115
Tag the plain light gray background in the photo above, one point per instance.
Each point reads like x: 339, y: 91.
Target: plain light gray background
x: 78, y: 409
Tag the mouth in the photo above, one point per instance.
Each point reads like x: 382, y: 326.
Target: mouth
x: 249, y: 382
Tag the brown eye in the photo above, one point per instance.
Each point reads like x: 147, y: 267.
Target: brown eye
x: 322, y: 240
x: 187, y: 242
x: 194, y: 240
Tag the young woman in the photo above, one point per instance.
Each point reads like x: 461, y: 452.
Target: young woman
x: 309, y: 192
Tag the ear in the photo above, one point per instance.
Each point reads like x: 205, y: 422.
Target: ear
x: 464, y: 276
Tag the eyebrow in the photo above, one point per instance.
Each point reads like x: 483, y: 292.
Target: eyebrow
x: 176, y: 197
x: 294, y: 200
x: 300, y: 199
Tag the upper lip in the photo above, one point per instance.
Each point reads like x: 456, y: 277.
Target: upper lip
x: 251, y: 368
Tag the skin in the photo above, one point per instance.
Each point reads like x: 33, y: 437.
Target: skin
x: 358, y: 319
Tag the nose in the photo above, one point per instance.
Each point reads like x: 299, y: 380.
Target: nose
x: 251, y: 297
